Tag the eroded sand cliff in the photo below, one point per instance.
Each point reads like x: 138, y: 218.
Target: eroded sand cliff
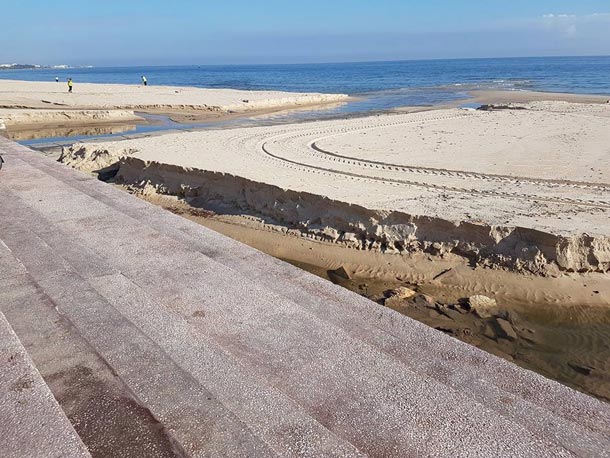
x: 520, y: 189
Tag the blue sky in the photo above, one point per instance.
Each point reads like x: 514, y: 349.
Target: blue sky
x: 154, y: 32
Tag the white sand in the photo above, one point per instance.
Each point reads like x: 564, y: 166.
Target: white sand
x: 553, y: 140
x: 27, y: 94
x: 532, y: 145
x: 546, y: 169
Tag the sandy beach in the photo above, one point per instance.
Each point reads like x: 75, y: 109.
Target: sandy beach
x: 511, y: 203
x: 305, y: 229
x: 523, y: 188
x: 522, y: 96
x: 26, y: 103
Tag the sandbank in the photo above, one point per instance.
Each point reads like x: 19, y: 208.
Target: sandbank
x: 15, y: 95
x: 525, y: 189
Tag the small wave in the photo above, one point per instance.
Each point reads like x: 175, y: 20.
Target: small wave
x: 493, y: 85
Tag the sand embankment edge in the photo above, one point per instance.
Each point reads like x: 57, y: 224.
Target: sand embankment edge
x: 24, y: 118
x: 318, y: 217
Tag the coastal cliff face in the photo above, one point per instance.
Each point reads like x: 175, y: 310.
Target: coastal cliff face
x: 355, y: 226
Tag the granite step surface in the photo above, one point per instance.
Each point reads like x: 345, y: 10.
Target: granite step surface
x: 31, y: 422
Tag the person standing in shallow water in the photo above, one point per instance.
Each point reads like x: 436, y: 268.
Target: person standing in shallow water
x: 144, y: 80
x: 70, y: 84
x: 57, y: 79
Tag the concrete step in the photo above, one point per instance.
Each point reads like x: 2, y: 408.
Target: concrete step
x: 353, y: 375
x: 499, y: 385
x: 189, y: 344
x: 31, y: 422
x: 277, y: 419
x: 272, y: 416
x: 193, y: 418
x: 106, y: 415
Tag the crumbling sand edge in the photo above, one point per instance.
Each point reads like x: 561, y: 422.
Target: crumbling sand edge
x: 244, y: 107
x: 247, y: 105
x: 22, y: 118
x: 514, y: 248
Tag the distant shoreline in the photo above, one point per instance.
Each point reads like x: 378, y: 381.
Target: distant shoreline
x: 39, y: 67
x: 398, y: 83
x: 344, y: 62
x: 107, y: 110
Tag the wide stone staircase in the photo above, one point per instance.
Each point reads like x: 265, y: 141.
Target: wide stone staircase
x: 159, y: 337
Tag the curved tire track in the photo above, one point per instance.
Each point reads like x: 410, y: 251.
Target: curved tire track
x: 315, y: 151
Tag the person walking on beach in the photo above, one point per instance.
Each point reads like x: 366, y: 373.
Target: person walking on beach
x: 70, y: 84
x: 144, y: 80
x: 57, y: 79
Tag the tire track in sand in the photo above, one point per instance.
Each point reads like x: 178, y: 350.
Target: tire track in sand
x: 283, y: 138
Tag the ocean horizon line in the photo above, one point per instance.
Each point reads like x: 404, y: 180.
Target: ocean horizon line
x: 338, y: 62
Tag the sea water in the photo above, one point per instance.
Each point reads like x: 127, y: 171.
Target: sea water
x: 391, y: 84
x: 377, y: 86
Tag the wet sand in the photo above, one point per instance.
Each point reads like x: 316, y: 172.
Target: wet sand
x: 189, y: 116
x: 51, y: 131
x: 569, y: 343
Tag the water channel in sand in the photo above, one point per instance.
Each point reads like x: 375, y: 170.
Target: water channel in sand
x: 154, y: 124
x: 567, y: 343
